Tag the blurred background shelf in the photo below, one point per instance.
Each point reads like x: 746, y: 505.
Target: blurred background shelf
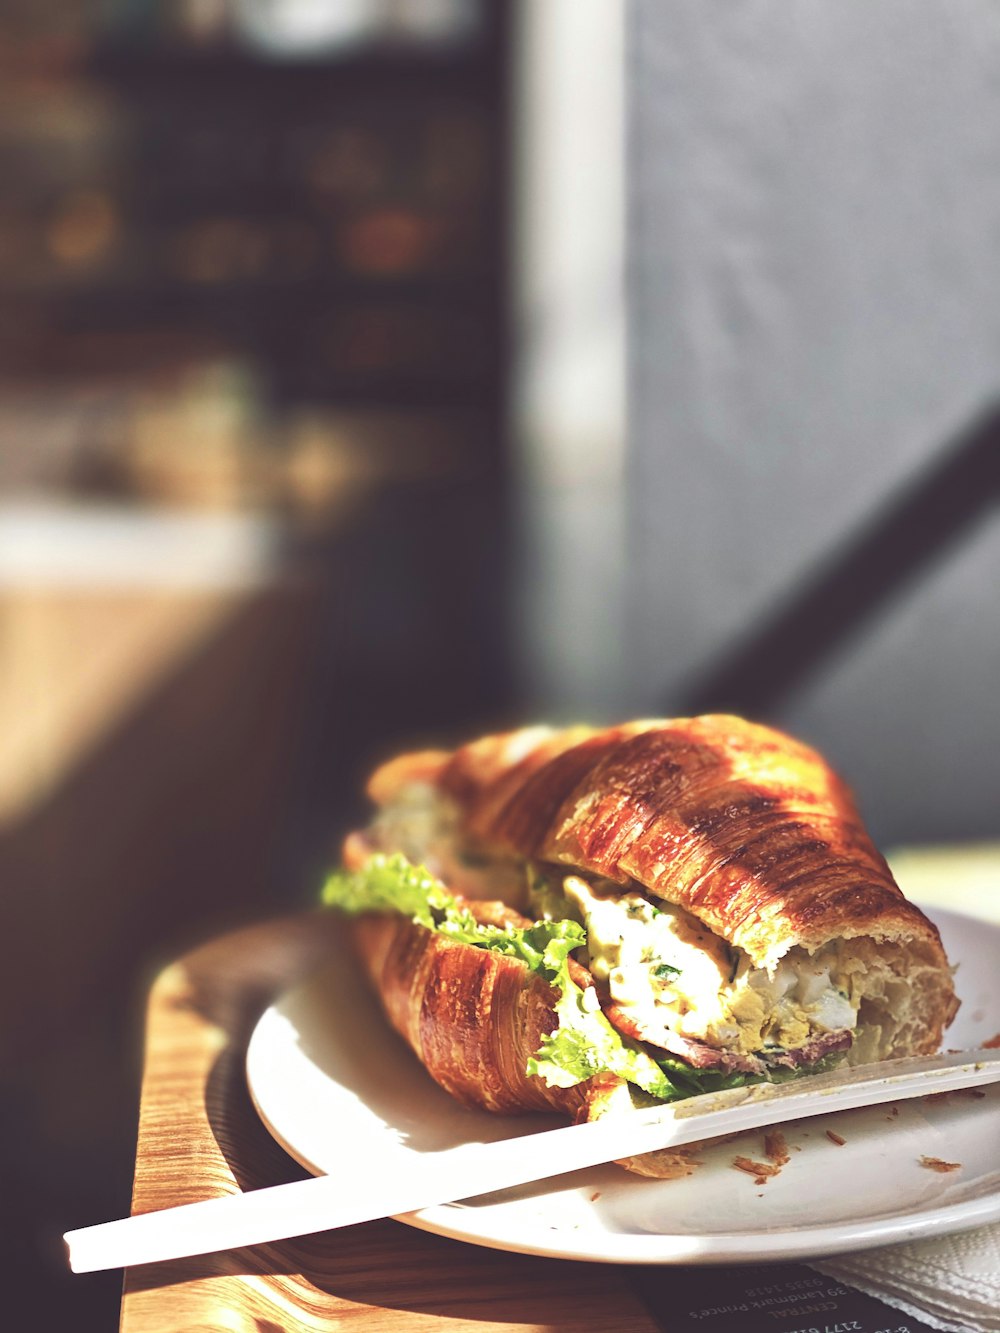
x: 253, y: 325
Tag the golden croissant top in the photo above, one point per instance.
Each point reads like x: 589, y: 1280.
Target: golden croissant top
x: 745, y: 827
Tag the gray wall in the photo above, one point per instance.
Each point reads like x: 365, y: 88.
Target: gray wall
x: 813, y: 245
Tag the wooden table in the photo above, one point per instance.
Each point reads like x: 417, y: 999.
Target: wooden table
x: 200, y: 1137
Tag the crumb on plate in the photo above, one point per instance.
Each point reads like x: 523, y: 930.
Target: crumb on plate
x: 666, y: 1163
x: 761, y: 1171
x: 775, y: 1147
x: 936, y: 1164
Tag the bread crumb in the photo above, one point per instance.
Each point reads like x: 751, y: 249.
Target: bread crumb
x: 595, y: 1196
x: 761, y: 1171
x: 993, y: 1044
x: 665, y: 1163
x: 835, y: 1138
x: 775, y: 1147
x: 936, y: 1164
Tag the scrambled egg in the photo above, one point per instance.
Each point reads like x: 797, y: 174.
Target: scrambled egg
x: 670, y: 971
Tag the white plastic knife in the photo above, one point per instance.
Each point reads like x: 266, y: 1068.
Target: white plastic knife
x: 361, y: 1192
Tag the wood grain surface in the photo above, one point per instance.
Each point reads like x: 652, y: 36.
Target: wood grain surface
x: 199, y: 1137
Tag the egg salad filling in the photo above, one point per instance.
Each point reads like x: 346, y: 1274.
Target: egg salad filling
x: 668, y: 972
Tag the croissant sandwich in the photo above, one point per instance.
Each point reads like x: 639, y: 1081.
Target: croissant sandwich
x: 583, y: 919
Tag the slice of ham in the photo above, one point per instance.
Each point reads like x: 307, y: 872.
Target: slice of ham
x: 812, y: 1051
x: 700, y: 1055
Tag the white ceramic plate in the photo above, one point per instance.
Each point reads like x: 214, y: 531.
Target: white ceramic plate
x: 331, y: 1081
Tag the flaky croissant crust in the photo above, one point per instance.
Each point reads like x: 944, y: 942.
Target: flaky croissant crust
x: 473, y: 1017
x: 749, y: 830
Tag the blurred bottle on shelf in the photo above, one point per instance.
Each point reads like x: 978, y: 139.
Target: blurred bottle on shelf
x: 302, y: 29
x: 296, y: 29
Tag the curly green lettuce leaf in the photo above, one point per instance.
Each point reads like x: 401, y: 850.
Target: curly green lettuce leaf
x: 388, y: 884
x: 584, y: 1043
x: 393, y: 884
